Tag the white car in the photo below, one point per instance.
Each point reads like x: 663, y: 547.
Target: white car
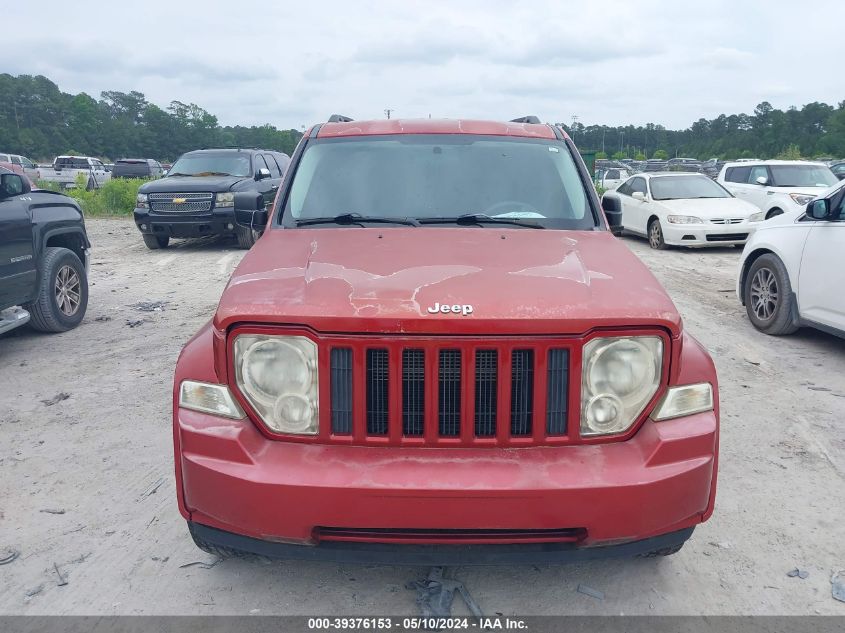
x: 611, y: 178
x: 67, y: 169
x: 776, y: 186
x: 29, y: 167
x: 791, y: 272
x: 681, y: 209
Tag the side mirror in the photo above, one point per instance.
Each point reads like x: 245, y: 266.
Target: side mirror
x: 262, y: 173
x: 761, y: 180
x: 819, y: 209
x: 13, y: 185
x: 639, y: 195
x: 613, y: 213
x: 250, y: 209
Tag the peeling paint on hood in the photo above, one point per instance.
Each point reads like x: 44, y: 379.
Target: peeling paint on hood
x: 518, y: 281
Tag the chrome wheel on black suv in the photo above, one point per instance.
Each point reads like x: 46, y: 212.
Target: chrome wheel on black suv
x: 62, y: 292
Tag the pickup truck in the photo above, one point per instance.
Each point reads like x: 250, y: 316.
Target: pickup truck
x: 29, y: 167
x: 43, y: 257
x: 66, y: 170
x: 438, y: 352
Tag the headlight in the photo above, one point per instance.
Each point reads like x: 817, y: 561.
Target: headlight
x: 684, y: 219
x: 225, y: 200
x: 209, y: 398
x: 278, y: 376
x: 685, y: 400
x: 619, y: 376
x: 800, y: 198
x: 756, y: 217
x: 141, y: 201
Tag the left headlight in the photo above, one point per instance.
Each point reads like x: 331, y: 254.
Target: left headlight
x: 619, y: 377
x: 225, y: 200
x: 800, y: 198
x: 278, y: 376
x: 684, y: 219
x: 757, y: 217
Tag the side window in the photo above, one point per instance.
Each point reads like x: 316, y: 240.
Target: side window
x: 16, y: 160
x: 284, y: 161
x: 737, y: 174
x: 757, y: 172
x: 271, y: 163
x: 625, y: 188
x: 259, y: 162
x: 638, y: 184
x: 612, y: 174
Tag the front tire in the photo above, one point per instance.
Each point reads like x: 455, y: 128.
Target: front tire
x: 155, y: 242
x: 773, y: 213
x: 62, y: 292
x: 246, y: 235
x: 655, y: 235
x: 769, y: 301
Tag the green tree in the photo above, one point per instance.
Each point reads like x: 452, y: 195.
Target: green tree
x: 601, y: 155
x: 619, y: 156
x: 660, y: 154
x: 639, y: 156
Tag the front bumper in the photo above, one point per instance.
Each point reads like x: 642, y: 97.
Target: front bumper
x: 234, y: 479
x: 708, y: 234
x: 219, y: 221
x: 436, y: 555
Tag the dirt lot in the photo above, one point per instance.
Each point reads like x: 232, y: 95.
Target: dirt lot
x: 87, y: 491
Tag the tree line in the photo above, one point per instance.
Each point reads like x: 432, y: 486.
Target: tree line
x: 815, y: 130
x: 40, y: 121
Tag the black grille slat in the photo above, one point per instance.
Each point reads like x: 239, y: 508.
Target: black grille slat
x: 377, y: 391
x: 522, y: 391
x: 449, y: 388
x: 341, y: 390
x: 486, y: 389
x: 557, y: 389
x: 413, y: 392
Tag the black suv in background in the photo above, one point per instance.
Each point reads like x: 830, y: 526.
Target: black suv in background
x: 137, y: 168
x: 197, y: 197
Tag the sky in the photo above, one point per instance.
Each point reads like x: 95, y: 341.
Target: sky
x: 292, y: 64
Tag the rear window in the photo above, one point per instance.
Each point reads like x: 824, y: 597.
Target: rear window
x: 73, y: 163
x: 737, y: 174
x: 429, y: 176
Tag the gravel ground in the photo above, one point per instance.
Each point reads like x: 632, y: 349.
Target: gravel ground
x: 87, y: 493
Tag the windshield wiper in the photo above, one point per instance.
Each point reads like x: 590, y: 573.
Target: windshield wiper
x: 176, y: 173
x: 470, y: 219
x: 356, y: 218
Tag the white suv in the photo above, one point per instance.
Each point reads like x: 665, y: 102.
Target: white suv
x: 791, y: 274
x: 776, y: 186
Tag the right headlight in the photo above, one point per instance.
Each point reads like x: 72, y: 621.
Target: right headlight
x: 141, y: 201
x: 684, y: 219
x: 618, y: 378
x: 278, y: 376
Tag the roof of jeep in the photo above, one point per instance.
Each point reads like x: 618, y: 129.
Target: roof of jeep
x: 435, y: 126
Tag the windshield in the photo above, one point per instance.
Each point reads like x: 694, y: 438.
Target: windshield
x: 802, y: 176
x: 230, y: 164
x: 440, y: 176
x: 686, y: 187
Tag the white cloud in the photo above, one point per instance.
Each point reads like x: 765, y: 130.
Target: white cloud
x: 294, y: 64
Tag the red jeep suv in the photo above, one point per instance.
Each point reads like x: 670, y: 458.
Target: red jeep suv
x: 438, y: 353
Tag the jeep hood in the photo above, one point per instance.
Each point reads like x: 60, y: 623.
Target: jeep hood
x: 179, y: 184
x: 518, y: 281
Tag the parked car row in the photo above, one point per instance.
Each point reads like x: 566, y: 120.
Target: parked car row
x: 789, y: 215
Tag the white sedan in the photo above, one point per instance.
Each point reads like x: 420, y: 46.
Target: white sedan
x: 791, y: 272
x: 682, y: 209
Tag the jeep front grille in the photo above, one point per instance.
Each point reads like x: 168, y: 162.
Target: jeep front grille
x: 195, y: 202
x: 441, y: 392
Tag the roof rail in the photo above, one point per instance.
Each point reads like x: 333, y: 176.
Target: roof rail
x: 526, y: 119
x: 339, y: 118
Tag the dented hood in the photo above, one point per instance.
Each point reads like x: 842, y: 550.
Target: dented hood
x: 518, y: 281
